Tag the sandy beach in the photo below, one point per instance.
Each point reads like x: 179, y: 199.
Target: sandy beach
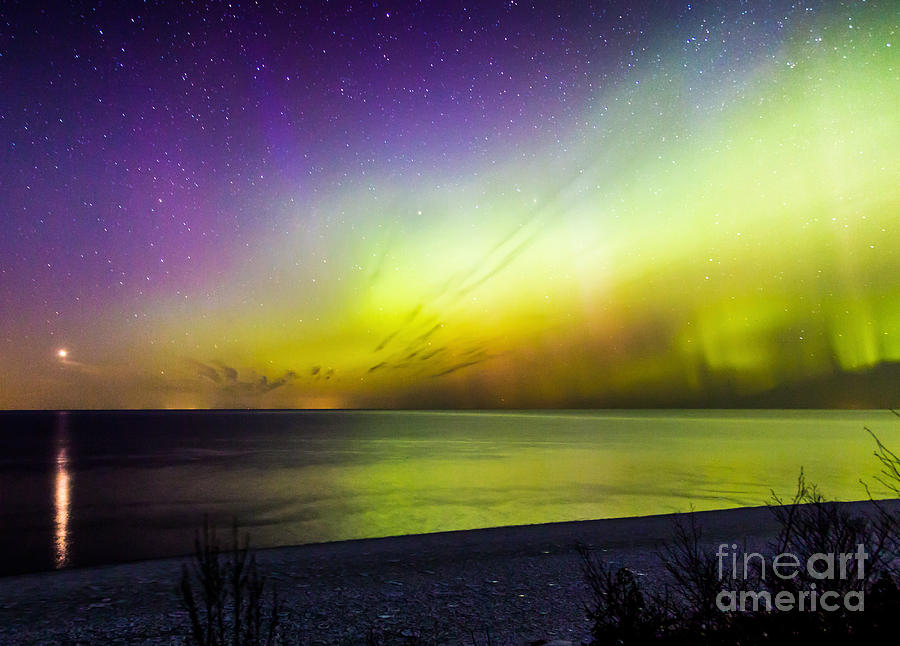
x: 522, y: 584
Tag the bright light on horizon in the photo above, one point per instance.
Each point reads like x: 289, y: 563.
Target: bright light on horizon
x: 62, y: 353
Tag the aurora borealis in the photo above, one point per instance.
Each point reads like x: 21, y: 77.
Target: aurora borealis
x: 448, y: 204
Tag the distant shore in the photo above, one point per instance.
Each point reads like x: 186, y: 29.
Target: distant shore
x: 521, y: 583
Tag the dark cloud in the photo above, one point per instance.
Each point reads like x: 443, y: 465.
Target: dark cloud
x: 458, y: 366
x: 228, y: 382
x: 230, y: 374
x: 207, y: 372
x: 386, y: 340
x: 428, y: 355
x: 417, y: 330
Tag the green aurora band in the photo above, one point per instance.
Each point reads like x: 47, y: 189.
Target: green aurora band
x: 688, y: 239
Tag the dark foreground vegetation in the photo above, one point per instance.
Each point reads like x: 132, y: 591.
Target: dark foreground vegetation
x: 708, y: 599
x: 223, y: 594
x: 711, y: 594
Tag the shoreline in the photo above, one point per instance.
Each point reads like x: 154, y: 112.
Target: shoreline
x: 523, y: 582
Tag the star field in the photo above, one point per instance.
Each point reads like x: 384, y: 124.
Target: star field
x: 445, y: 204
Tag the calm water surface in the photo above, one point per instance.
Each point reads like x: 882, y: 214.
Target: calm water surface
x: 86, y: 488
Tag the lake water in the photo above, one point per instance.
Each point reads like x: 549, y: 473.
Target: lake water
x: 87, y: 488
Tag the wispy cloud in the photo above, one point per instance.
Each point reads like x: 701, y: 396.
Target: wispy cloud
x: 228, y: 381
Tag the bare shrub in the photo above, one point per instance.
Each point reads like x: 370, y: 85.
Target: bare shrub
x: 228, y: 607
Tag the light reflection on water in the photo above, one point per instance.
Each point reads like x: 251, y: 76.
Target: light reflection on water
x: 145, y: 480
x: 61, y: 501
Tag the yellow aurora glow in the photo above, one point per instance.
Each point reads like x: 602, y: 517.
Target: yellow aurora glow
x: 732, y: 238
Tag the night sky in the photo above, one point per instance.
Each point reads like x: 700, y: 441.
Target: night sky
x: 448, y: 204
